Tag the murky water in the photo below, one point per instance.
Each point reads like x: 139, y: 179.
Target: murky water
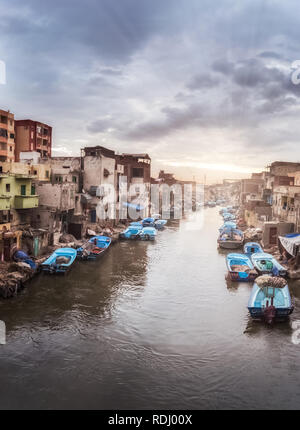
x: 151, y: 325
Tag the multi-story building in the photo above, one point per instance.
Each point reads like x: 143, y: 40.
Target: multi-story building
x: 136, y: 170
x: 99, y: 169
x: 32, y: 136
x: 7, y: 136
x: 60, y: 199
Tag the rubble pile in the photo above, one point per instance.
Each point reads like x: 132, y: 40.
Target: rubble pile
x: 253, y: 234
x: 13, y: 278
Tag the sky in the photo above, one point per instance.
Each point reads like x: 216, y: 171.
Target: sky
x: 203, y: 87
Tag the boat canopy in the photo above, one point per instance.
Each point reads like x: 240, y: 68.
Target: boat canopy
x: 291, y: 244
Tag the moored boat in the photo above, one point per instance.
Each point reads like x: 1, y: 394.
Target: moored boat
x: 131, y: 232
x: 148, y: 233
x: 227, y: 224
x: 240, y: 268
x: 266, y: 264
x: 227, y: 216
x: 94, y: 247
x: 251, y: 248
x: 270, y: 299
x: 60, y: 261
x: 231, y: 238
x: 160, y: 224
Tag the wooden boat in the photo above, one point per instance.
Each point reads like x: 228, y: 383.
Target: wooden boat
x: 266, y: 264
x: 240, y: 268
x: 131, y: 232
x: 227, y: 216
x: 227, y: 224
x: 160, y: 224
x: 94, y: 247
x: 231, y: 238
x: 270, y: 299
x: 251, y: 248
x: 60, y: 261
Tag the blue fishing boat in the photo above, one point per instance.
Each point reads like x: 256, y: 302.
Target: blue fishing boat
x: 94, y: 247
x: 148, y: 222
x: 60, y: 261
x: 231, y: 238
x: 251, y: 248
x: 136, y: 224
x: 266, y: 264
x: 227, y: 224
x: 148, y: 233
x: 240, y: 268
x: 270, y: 299
x: 160, y: 224
x: 138, y: 232
x: 131, y: 232
x: 227, y: 216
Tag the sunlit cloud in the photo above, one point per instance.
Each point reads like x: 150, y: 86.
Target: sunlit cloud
x: 212, y: 166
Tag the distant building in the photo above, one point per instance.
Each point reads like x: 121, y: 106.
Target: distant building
x: 7, y: 136
x: 33, y: 136
x: 283, y: 168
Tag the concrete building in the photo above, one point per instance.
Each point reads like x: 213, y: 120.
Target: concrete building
x: 136, y: 168
x: 286, y: 204
x: 60, y: 209
x: 99, y: 169
x: 283, y: 168
x: 32, y: 136
x: 7, y: 136
x: 257, y: 212
x: 272, y: 230
x: 251, y: 189
x: 38, y: 172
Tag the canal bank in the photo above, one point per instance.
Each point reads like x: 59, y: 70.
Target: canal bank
x: 152, y: 325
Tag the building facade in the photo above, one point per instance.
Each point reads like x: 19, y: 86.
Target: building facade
x: 33, y: 136
x: 7, y: 136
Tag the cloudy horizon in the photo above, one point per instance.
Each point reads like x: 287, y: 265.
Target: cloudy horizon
x: 203, y: 87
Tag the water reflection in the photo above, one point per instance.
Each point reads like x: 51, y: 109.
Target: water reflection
x: 151, y: 325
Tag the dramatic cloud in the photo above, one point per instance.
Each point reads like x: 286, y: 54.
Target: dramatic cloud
x: 193, y: 83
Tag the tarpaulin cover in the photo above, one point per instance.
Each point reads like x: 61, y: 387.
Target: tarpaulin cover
x: 291, y: 244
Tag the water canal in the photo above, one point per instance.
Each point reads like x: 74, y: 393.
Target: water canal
x: 153, y: 325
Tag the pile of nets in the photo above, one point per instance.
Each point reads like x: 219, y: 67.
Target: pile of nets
x: 242, y: 268
x: 270, y: 281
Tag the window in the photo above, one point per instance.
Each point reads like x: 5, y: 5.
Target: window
x: 35, y: 172
x: 138, y: 172
x: 12, y: 136
x: 74, y: 179
x: 58, y: 179
x: 32, y: 190
x: 47, y: 173
x: 10, y: 148
x: 23, y: 190
x: 7, y: 187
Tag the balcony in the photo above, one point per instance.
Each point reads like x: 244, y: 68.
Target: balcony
x: 26, y: 202
x: 4, y: 203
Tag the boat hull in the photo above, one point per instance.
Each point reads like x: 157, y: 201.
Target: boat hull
x: 235, y: 277
x: 230, y: 244
x: 281, y: 313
